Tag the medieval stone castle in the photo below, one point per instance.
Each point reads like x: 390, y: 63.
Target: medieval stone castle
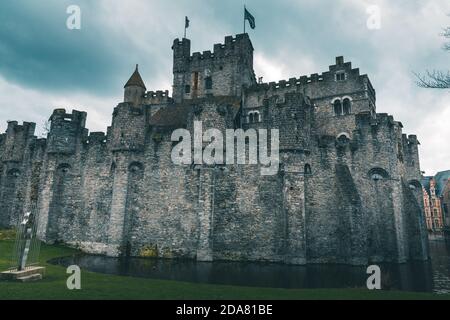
x: 347, y: 189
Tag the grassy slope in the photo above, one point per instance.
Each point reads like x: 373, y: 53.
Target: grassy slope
x: 102, y: 286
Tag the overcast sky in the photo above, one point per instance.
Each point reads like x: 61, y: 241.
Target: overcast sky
x: 44, y: 65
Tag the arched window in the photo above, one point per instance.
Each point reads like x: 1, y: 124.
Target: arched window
x: 378, y: 174
x: 337, y: 107
x: 63, y: 168
x: 343, y: 137
x: 342, y: 140
x: 346, y: 106
x: 415, y: 185
x: 136, y: 167
x: 307, y: 169
x: 254, y: 117
x: 13, y: 173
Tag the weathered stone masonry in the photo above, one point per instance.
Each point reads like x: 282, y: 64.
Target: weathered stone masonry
x: 342, y: 193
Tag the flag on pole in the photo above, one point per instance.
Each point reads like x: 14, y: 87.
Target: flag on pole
x: 186, y: 25
x: 251, y: 19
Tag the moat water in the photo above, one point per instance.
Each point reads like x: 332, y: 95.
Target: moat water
x: 432, y: 276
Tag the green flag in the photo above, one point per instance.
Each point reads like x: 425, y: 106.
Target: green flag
x: 251, y: 19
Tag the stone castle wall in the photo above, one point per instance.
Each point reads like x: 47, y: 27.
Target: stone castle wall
x: 343, y: 193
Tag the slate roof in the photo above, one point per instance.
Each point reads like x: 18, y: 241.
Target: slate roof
x: 426, y: 183
x: 440, y: 178
x: 135, y: 80
x: 171, y: 116
x: 176, y: 115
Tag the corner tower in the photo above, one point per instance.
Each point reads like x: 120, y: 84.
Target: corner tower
x: 134, y: 88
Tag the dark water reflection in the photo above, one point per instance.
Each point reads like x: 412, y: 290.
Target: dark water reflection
x: 415, y: 276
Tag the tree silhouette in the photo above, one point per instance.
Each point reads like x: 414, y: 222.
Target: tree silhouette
x: 436, y: 79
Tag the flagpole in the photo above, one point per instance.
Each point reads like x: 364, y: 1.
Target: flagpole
x: 244, y: 18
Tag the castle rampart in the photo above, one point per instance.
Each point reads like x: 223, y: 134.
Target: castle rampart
x: 346, y: 190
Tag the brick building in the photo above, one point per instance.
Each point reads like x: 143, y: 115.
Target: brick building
x: 436, y: 198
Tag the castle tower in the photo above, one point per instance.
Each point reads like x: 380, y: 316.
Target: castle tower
x: 14, y: 150
x: 134, y: 88
x: 66, y: 131
x: 222, y: 72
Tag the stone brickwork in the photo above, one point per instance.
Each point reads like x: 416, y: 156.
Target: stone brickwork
x: 345, y: 192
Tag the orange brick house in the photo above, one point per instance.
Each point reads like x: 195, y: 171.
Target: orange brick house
x: 436, y: 199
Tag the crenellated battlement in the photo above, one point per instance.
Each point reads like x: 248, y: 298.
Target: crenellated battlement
x: 221, y: 72
x: 338, y: 178
x: 340, y: 82
x: 96, y: 138
x: 66, y: 131
x: 231, y: 46
x: 16, y: 140
x: 157, y: 97
x: 324, y: 77
x: 26, y: 128
x: 78, y: 117
x: 126, y: 108
x: 367, y: 120
x: 411, y: 139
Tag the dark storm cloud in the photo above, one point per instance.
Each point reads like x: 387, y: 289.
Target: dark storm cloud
x: 38, y: 51
x: 44, y: 65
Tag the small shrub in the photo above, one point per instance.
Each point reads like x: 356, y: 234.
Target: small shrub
x: 149, y: 251
x: 8, y: 234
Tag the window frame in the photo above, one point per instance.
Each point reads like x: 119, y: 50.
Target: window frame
x: 339, y: 74
x: 208, y: 83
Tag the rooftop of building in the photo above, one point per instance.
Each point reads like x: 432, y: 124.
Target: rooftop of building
x: 176, y: 115
x: 441, y: 179
x: 135, y: 79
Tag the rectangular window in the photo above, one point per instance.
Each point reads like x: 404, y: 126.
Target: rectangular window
x: 195, y: 81
x: 187, y: 89
x: 340, y: 76
x: 208, y: 83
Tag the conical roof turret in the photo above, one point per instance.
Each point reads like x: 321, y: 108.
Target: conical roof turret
x: 135, y: 79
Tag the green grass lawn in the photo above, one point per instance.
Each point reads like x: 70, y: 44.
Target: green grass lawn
x: 102, y: 286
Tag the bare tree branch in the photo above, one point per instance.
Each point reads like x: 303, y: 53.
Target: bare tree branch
x: 434, y: 79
